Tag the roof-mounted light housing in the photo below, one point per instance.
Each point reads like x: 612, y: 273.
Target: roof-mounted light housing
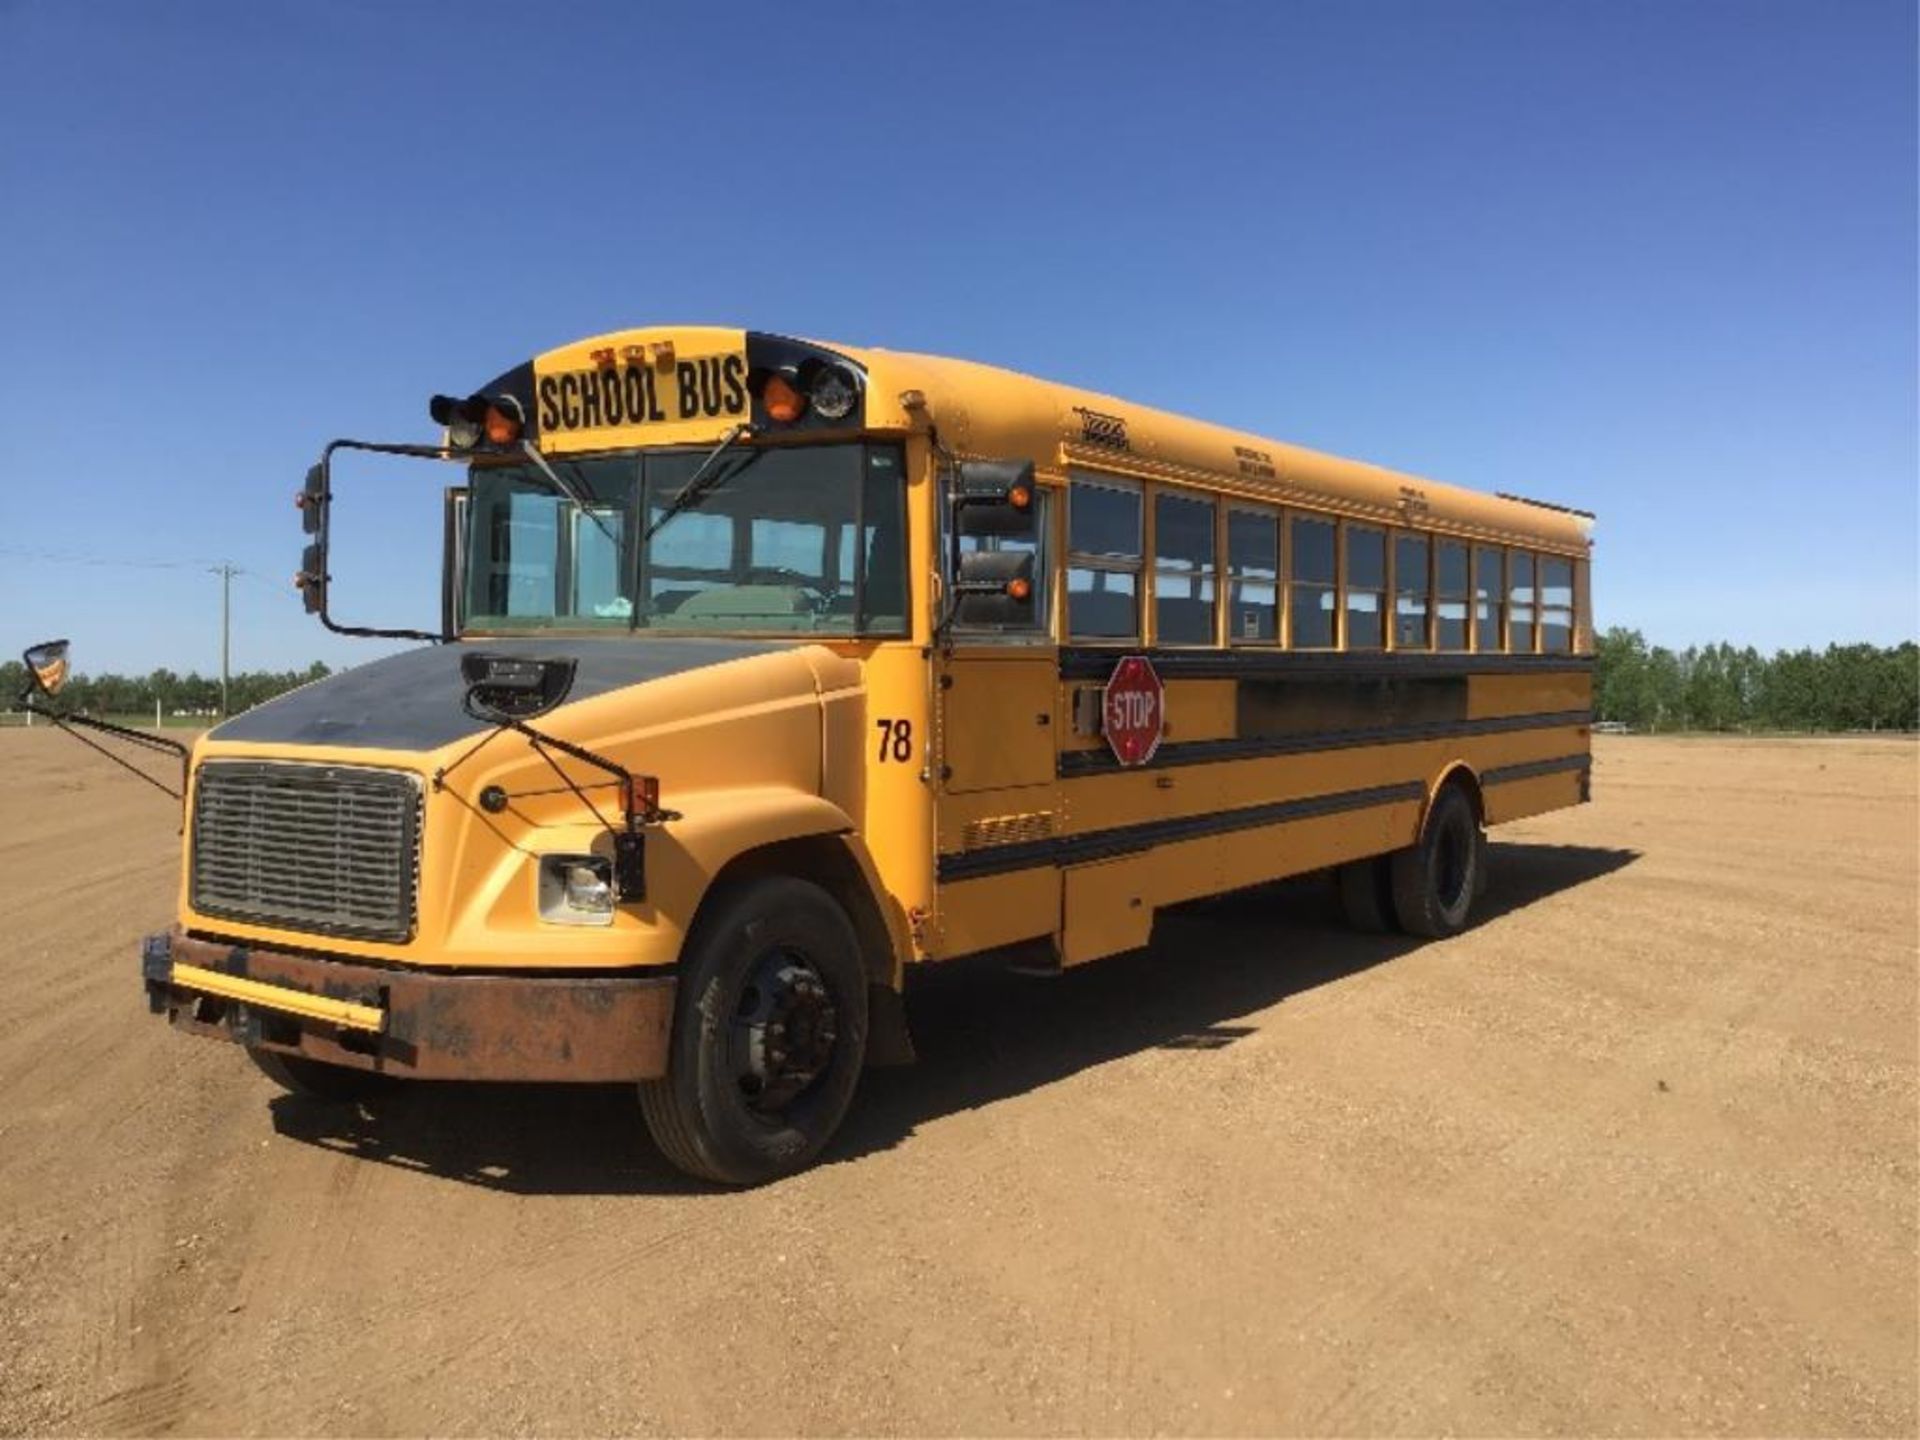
x: 801, y: 385
x: 498, y: 420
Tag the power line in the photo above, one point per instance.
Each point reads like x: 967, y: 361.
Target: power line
x: 55, y: 557
x: 225, y: 569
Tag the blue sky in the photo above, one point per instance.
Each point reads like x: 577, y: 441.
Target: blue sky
x: 1656, y: 260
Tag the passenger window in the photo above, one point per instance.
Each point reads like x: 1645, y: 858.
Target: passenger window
x: 1520, y: 601
x: 1311, y: 598
x: 1183, y: 570
x: 1489, y: 590
x: 1103, y: 561
x: 1253, y: 576
x: 1412, y: 587
x: 1366, y: 588
x: 1556, y: 605
x: 1450, y: 595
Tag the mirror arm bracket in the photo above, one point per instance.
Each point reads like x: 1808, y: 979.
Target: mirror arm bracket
x: 73, y: 724
x: 629, y: 840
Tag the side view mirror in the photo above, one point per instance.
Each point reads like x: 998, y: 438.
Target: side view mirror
x: 312, y: 500
x: 47, y: 667
x: 994, y: 587
x: 994, y: 497
x: 315, y: 500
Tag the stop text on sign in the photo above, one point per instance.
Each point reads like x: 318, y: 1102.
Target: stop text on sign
x: 1133, y: 710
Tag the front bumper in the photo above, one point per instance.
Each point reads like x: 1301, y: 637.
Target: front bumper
x: 412, y: 1023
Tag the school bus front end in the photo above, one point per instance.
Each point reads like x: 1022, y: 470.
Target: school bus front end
x: 668, y: 756
x: 459, y: 893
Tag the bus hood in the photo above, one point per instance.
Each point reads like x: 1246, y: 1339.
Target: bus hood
x: 411, y: 701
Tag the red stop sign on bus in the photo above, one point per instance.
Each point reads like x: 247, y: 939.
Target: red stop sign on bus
x: 1134, y: 710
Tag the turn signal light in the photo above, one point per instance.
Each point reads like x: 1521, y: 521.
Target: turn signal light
x: 502, y: 428
x: 784, y: 403
x: 1020, y: 588
x: 1020, y: 497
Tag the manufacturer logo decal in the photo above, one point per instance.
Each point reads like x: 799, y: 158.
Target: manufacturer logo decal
x: 1099, y: 428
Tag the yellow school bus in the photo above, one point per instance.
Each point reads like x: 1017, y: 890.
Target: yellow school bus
x: 770, y: 669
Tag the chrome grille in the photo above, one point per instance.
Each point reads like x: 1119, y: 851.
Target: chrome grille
x: 332, y: 849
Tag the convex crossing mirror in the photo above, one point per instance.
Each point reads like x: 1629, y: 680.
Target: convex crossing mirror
x: 47, y: 667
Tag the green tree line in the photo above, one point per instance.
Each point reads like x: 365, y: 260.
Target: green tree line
x: 189, y: 694
x: 1716, y: 687
x: 1711, y: 687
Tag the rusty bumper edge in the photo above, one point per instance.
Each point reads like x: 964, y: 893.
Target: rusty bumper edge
x: 438, y: 1027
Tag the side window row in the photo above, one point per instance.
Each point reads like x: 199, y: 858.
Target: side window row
x: 1306, y: 581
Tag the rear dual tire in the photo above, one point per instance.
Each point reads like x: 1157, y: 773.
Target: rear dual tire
x: 1427, y: 889
x: 1366, y: 894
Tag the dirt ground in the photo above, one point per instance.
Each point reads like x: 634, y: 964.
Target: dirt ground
x: 1638, y: 1155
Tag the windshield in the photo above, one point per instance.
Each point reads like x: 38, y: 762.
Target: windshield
x: 801, y: 539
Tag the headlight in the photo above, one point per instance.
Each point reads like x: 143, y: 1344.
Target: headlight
x: 576, y: 889
x: 834, y: 393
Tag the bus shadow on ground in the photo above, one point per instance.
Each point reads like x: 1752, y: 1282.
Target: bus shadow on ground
x: 983, y: 1034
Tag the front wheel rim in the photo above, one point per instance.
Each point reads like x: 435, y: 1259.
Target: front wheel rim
x: 782, y: 1032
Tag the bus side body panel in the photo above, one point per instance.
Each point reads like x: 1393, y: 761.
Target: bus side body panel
x: 1224, y: 805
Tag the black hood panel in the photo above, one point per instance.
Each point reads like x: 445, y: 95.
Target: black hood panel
x: 411, y: 701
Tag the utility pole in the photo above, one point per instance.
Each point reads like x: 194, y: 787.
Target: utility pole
x: 226, y: 572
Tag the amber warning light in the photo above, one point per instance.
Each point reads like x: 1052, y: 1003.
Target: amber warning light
x: 814, y: 387
x: 784, y: 403
x: 497, y: 419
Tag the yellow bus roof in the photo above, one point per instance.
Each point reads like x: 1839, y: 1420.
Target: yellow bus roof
x: 984, y: 410
x: 988, y: 412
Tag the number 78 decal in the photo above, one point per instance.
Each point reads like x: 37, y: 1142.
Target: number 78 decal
x: 896, y: 741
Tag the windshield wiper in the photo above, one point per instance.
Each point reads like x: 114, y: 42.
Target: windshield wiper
x: 582, y: 501
x: 698, y: 484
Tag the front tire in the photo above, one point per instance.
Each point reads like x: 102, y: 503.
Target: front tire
x: 1435, y: 881
x: 769, y: 1034
x: 335, y: 1084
